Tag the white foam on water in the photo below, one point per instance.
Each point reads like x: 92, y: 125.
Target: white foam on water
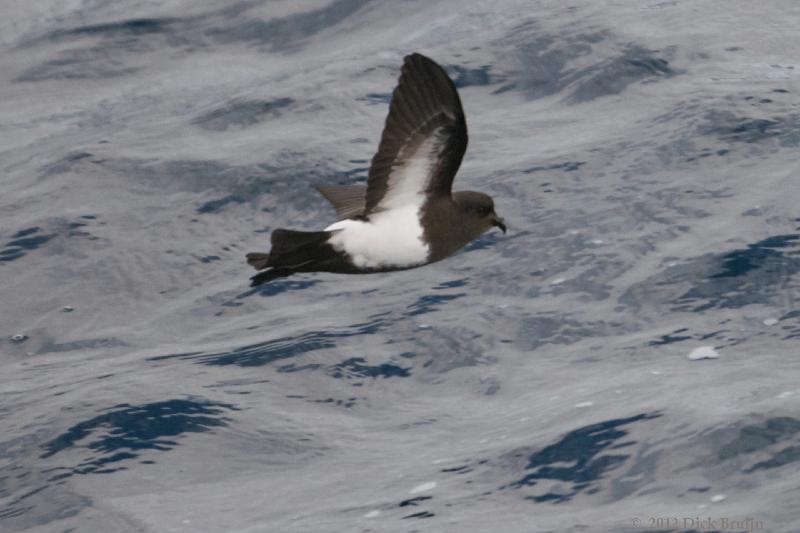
x: 703, y: 352
x: 424, y: 487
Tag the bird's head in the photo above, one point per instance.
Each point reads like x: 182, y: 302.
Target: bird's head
x: 477, y: 210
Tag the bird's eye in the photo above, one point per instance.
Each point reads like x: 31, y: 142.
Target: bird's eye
x: 483, y: 211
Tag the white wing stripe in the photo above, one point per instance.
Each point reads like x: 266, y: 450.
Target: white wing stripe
x: 408, y: 181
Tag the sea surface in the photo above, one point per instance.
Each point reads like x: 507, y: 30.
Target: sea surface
x: 624, y: 360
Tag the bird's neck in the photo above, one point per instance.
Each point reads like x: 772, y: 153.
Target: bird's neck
x: 443, y: 227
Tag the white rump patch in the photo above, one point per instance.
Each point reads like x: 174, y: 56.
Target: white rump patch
x: 391, y: 239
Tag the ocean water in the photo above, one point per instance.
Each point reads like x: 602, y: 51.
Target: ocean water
x: 644, y: 154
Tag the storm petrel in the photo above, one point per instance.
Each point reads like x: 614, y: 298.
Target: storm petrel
x: 406, y: 216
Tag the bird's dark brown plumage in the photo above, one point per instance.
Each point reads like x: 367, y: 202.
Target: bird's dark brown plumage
x: 424, y: 103
x: 411, y: 176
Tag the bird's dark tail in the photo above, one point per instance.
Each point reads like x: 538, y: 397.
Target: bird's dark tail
x: 257, y: 260
x: 292, y: 251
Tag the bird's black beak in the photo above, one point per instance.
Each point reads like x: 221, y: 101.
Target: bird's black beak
x: 499, y: 222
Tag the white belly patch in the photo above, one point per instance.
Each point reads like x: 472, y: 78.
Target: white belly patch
x: 391, y: 238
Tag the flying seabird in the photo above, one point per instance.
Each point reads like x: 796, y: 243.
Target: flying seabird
x: 406, y: 216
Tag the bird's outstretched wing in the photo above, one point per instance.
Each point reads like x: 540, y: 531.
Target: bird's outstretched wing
x: 348, y: 200
x: 424, y: 139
